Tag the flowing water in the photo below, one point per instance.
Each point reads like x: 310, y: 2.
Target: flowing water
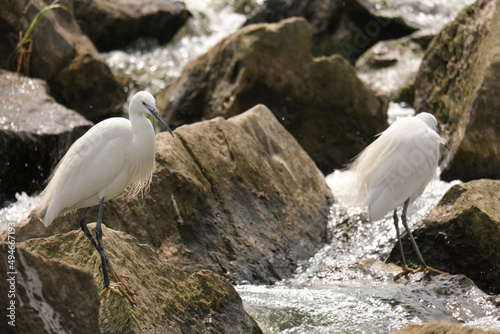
x: 346, y: 287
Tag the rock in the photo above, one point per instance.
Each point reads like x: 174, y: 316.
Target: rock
x: 35, y: 133
x: 457, y: 82
x: 239, y: 197
x: 391, y: 67
x: 168, y: 300
x: 321, y: 101
x: 433, y: 14
x: 114, y: 24
x: 345, y: 27
x: 64, y: 57
x: 462, y: 233
x: 442, y: 327
x: 48, y: 296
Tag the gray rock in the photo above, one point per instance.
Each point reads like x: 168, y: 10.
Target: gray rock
x: 345, y: 27
x: 114, y: 24
x: 458, y: 82
x: 462, y: 233
x: 391, y: 67
x: 321, y: 101
x: 49, y: 296
x: 35, y: 133
x: 168, y: 299
x: 63, y: 56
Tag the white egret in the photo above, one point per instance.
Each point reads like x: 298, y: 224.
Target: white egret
x: 113, y: 155
x: 395, y: 169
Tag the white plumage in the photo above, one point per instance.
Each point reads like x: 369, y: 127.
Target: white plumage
x: 114, y: 154
x: 394, y: 170
x: 398, y: 165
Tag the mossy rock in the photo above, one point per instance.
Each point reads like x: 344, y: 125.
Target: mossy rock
x: 167, y: 299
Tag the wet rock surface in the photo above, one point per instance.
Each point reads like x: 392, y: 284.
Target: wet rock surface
x: 35, y: 133
x: 63, y: 56
x: 391, y: 67
x: 442, y: 327
x: 320, y: 101
x: 458, y: 82
x: 114, y: 24
x: 168, y: 299
x: 239, y: 197
x: 49, y: 296
x: 462, y: 233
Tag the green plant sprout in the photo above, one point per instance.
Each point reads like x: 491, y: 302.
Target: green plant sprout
x: 24, y: 46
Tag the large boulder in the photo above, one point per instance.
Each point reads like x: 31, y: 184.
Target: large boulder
x: 239, y: 197
x: 40, y: 295
x: 462, y: 233
x: 114, y: 24
x: 457, y: 82
x: 35, y: 133
x: 63, y: 56
x: 321, y: 101
x: 168, y: 300
x: 345, y: 27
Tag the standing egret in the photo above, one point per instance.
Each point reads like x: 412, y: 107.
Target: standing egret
x: 114, y: 154
x: 395, y: 169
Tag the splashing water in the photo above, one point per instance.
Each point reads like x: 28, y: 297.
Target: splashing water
x: 17, y: 211
x: 347, y: 288
x: 150, y: 66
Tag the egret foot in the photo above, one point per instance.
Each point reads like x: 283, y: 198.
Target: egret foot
x: 405, y: 272
x: 123, y: 289
x: 118, y: 288
x: 423, y: 269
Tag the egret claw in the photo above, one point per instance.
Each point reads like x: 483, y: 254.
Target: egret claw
x: 405, y: 272
x: 421, y: 268
x: 118, y: 288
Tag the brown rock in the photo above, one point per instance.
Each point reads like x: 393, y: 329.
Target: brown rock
x: 64, y: 57
x: 168, y: 300
x: 35, y: 133
x: 442, y: 327
x: 114, y: 24
x: 462, y: 233
x: 345, y: 27
x: 49, y: 296
x: 321, y: 101
x: 457, y: 82
x: 239, y: 197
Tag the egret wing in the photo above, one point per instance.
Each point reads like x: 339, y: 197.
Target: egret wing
x: 91, y: 163
x: 404, y: 173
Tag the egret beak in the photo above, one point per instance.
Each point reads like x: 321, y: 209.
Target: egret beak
x: 446, y: 145
x: 154, y: 112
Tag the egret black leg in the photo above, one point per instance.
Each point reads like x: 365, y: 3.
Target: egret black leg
x: 405, y: 224
x: 85, y: 229
x: 395, y: 217
x: 100, y: 249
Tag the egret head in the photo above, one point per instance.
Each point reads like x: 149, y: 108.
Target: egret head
x: 144, y: 102
x: 431, y: 122
x: 428, y: 119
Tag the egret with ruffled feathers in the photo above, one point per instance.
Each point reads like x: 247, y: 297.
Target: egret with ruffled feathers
x: 114, y: 155
x: 394, y: 170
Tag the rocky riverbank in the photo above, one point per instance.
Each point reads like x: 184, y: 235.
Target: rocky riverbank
x: 239, y: 195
